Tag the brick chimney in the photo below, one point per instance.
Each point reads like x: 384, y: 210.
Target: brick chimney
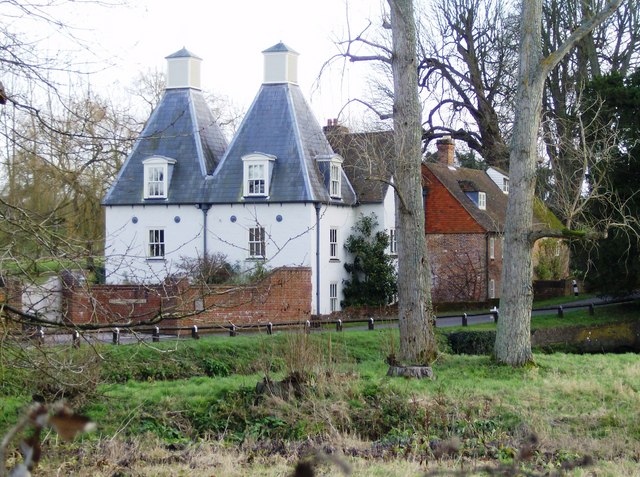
x: 446, y: 150
x: 333, y: 127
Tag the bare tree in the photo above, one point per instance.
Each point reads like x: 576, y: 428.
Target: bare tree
x: 466, y: 74
x: 513, y: 340
x: 415, y: 312
x: 612, y: 46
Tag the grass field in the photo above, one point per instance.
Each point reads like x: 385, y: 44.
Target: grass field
x: 191, y: 408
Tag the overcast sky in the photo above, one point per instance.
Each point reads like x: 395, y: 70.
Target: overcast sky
x: 229, y: 36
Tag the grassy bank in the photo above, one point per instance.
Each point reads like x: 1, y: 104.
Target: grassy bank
x: 187, y: 406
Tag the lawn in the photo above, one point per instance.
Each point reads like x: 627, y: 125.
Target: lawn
x: 188, y: 407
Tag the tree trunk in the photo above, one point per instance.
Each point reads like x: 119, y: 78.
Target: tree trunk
x: 513, y: 338
x: 415, y: 313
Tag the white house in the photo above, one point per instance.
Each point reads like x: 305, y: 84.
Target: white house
x: 277, y: 195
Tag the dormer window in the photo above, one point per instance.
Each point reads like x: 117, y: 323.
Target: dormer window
x: 505, y: 185
x: 482, y: 200
x: 336, y: 174
x: 157, y: 171
x: 256, y: 179
x: 257, y: 174
x: 330, y: 166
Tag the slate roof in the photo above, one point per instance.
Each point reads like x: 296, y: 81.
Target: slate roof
x: 183, y: 128
x: 278, y: 123
x: 182, y: 53
x: 365, y: 157
x: 280, y: 48
x: 459, y: 180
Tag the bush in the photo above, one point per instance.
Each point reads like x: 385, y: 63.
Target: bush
x: 373, y: 275
x: 472, y: 342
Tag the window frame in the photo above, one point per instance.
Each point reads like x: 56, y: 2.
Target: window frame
x: 393, y: 241
x: 257, y: 244
x: 492, y: 248
x: 335, y: 180
x: 333, y: 296
x: 156, y: 244
x: 492, y: 289
x: 505, y: 185
x: 161, y: 165
x: 333, y: 243
x: 256, y: 180
x: 482, y: 200
x: 257, y: 185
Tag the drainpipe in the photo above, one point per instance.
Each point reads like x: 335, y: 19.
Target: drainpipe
x: 205, y: 210
x: 317, y: 205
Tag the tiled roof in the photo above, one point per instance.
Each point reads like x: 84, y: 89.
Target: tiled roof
x: 278, y: 123
x: 459, y: 180
x: 181, y: 127
x: 365, y: 157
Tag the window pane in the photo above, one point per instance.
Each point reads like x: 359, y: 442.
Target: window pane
x: 333, y: 243
x: 256, y: 242
x: 155, y: 181
x: 156, y: 243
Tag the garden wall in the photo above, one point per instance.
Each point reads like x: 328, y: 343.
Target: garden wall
x: 282, y: 296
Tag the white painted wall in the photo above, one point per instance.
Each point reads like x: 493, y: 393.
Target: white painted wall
x: 44, y: 299
x: 126, y: 241
x: 290, y: 241
x: 497, y: 176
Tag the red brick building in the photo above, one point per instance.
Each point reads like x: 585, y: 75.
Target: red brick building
x: 464, y: 219
x: 465, y: 212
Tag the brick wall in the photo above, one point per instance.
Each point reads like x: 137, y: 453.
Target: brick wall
x: 459, y: 267
x: 284, y: 295
x: 10, y: 293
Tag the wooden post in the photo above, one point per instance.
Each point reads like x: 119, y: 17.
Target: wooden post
x: 465, y: 321
x: 76, y: 339
x: 339, y: 325
x: 40, y: 336
x: 370, y: 323
x: 116, y: 336
x: 592, y: 309
x: 194, y: 332
x: 156, y: 334
x: 232, y: 330
x: 560, y: 312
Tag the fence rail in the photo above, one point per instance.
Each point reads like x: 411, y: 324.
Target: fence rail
x: 170, y: 332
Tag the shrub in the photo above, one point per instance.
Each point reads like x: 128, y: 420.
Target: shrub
x: 472, y: 342
x: 373, y: 275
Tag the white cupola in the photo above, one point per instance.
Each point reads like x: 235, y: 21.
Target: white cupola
x: 183, y: 70
x: 280, y: 64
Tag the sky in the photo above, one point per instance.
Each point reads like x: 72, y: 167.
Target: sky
x: 229, y: 36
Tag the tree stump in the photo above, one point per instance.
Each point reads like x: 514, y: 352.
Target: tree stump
x: 417, y: 372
